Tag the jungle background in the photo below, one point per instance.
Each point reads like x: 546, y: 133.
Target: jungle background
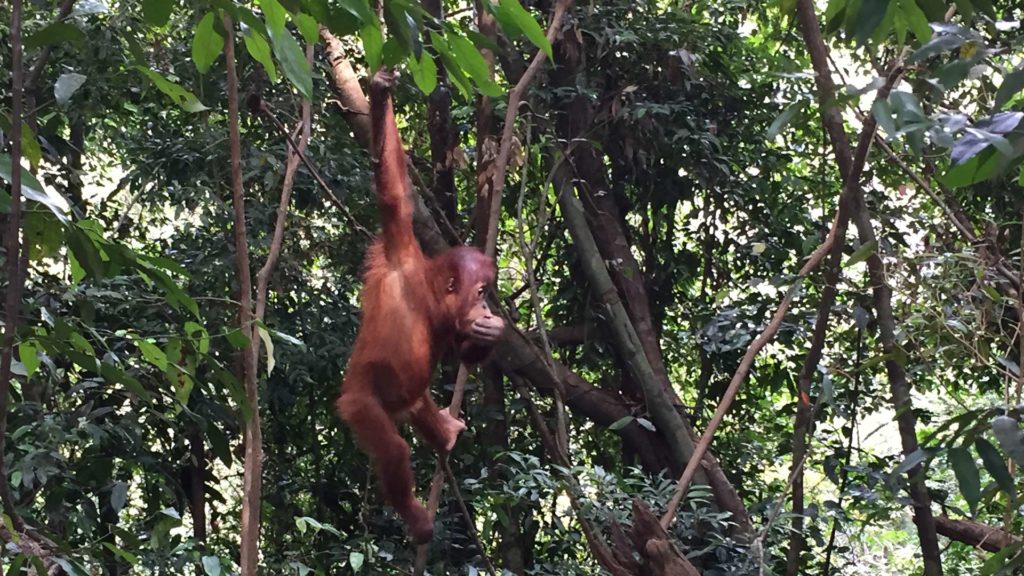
x: 778, y: 241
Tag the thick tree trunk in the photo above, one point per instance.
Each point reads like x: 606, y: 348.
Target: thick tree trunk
x: 609, y: 234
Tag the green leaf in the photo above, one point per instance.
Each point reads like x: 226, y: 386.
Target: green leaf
x: 1012, y: 84
x: 917, y: 20
x: 37, y: 563
x: 977, y: 169
x: 157, y: 12
x: 899, y: 22
x: 197, y: 332
x: 182, y: 97
x: 986, y: 7
x: 18, y: 561
x: 66, y: 86
x: 207, y: 44
x: 646, y: 424
x: 28, y: 355
x: 258, y: 48
x: 783, y: 119
x: 78, y: 342
x: 405, y: 35
x: 237, y: 339
x: 122, y: 554
x: 86, y: 252
x: 468, y: 58
x: 114, y: 374
x: 172, y: 290
x: 54, y: 34
x: 883, y: 116
x: 871, y: 14
x: 835, y: 12
x: 308, y: 27
x: 30, y: 149
x: 456, y: 75
x: 152, y: 353
x: 84, y: 360
x: 274, y: 14
x: 967, y: 476
x: 341, y: 21
x: 393, y: 53
x: 293, y: 61
x: 424, y: 73
x: 360, y: 9
x: 211, y: 565
x: 953, y: 73
x: 620, y: 423
x: 15, y: 535
x: 513, y: 11
x: 355, y: 560
x: 907, y: 107
x: 118, y: 496
x: 373, y: 45
x: 987, y: 132
x: 67, y: 567
x: 996, y: 467
x: 219, y: 444
x: 43, y: 234
x: 887, y: 24
x: 861, y: 254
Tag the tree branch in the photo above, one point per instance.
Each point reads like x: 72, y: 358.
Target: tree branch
x: 741, y: 373
x: 351, y: 101
x: 882, y: 293
x: 497, y: 183
x: 975, y: 533
x: 804, y: 412
x: 295, y: 155
x: 252, y: 477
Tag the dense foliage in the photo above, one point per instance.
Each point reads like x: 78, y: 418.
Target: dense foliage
x: 702, y: 155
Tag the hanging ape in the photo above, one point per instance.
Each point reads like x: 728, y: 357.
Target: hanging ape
x: 415, y: 309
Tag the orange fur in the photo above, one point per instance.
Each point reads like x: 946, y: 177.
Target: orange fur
x: 414, y: 310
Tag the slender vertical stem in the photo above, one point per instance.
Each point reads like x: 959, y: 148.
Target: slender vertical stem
x: 12, y: 242
x: 252, y: 477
